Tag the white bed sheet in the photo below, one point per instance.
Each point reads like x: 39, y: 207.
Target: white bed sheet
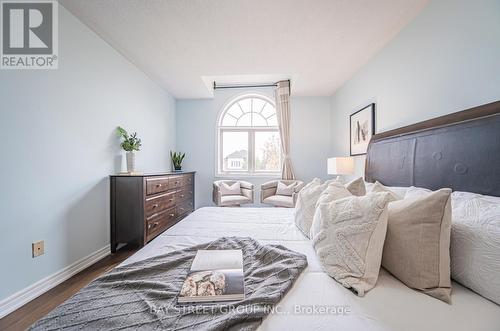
x: 389, y: 306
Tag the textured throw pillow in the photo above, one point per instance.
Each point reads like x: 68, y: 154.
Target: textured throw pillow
x: 475, y: 243
x: 377, y: 187
x: 356, y: 186
x: 234, y: 189
x: 306, y: 204
x: 284, y: 189
x: 334, y: 190
x: 417, y: 244
x: 348, y: 236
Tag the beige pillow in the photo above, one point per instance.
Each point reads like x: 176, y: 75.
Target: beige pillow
x: 356, y: 186
x: 283, y: 189
x: 348, y: 236
x: 417, y: 245
x: 233, y: 189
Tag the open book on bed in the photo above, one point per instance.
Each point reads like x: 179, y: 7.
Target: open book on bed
x: 215, y: 275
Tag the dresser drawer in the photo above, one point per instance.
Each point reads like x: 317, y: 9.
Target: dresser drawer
x: 187, y: 180
x: 158, y: 203
x: 175, y: 182
x: 160, y: 223
x: 185, y: 193
x: 185, y: 207
x: 156, y: 185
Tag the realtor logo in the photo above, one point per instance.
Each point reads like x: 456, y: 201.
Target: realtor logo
x: 29, y: 36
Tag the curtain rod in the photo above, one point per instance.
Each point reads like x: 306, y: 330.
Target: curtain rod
x: 216, y: 87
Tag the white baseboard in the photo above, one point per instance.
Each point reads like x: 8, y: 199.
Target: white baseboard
x: 33, y: 291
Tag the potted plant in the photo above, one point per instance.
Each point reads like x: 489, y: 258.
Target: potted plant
x: 130, y: 144
x: 177, y: 160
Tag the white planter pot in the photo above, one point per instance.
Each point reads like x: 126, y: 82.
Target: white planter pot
x: 130, y: 161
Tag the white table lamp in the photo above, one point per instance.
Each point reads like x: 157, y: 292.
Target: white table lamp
x: 340, y: 166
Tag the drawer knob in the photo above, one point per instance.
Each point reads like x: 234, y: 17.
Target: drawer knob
x: 149, y: 226
x: 171, y: 200
x: 172, y: 215
x: 182, y: 195
x: 155, y: 224
x: 155, y: 206
x: 176, y: 182
x: 158, y: 185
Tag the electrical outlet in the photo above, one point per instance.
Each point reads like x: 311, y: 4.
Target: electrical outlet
x: 38, y: 248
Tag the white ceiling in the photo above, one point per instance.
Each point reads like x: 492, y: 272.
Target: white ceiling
x: 184, y: 44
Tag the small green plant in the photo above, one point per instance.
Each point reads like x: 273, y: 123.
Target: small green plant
x: 130, y: 142
x: 177, y: 159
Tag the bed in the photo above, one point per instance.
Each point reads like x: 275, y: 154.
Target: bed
x: 460, y: 151
x: 389, y: 306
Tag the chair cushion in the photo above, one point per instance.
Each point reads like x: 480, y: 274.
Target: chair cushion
x: 280, y: 201
x: 283, y: 189
x: 234, y: 189
x: 230, y: 200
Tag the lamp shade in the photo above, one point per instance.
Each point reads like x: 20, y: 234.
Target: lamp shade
x: 340, y: 165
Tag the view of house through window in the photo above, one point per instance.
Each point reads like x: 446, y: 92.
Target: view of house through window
x: 249, y: 140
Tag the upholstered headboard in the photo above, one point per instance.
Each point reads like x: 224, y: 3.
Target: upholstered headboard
x: 460, y: 151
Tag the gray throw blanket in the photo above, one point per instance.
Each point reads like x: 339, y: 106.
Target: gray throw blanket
x: 143, y: 295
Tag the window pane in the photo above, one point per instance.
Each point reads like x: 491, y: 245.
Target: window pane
x: 235, y: 110
x: 258, y: 104
x: 234, y: 151
x: 268, y: 110
x: 246, y: 105
x: 245, y: 120
x: 267, y: 151
x: 272, y: 121
x: 228, y: 120
x: 258, y: 120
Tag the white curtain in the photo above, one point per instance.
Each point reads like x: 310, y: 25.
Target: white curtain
x: 283, y: 113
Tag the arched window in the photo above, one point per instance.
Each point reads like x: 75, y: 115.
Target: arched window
x: 248, y: 137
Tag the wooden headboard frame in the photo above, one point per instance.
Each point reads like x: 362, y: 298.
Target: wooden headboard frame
x: 460, y: 151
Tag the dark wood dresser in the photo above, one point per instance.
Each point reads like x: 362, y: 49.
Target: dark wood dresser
x: 144, y: 206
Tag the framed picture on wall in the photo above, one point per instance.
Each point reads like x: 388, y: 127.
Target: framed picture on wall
x: 362, y: 128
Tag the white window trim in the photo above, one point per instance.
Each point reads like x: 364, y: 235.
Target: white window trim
x: 251, y: 130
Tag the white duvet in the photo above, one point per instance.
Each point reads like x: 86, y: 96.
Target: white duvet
x: 316, y: 301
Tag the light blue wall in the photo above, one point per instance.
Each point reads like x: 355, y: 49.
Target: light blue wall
x: 446, y: 60
x: 58, y: 147
x: 196, y: 135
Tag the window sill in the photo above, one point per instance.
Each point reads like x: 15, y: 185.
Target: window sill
x: 272, y: 175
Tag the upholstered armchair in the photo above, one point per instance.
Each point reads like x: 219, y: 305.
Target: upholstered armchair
x: 224, y: 199
x: 268, y: 193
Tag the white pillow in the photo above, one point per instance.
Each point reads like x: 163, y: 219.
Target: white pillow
x: 306, y: 204
x: 234, y: 189
x: 413, y: 192
x: 348, y: 236
x: 284, y: 189
x: 475, y: 243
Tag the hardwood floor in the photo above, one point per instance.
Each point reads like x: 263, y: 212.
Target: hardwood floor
x: 28, y: 314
